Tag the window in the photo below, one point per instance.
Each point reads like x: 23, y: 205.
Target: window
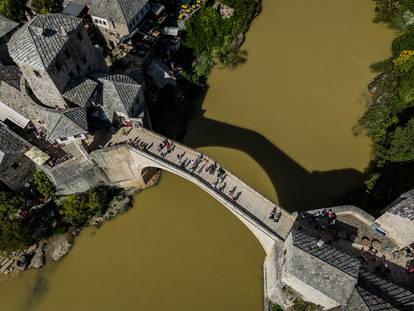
x: 105, y: 23
x: 78, y: 136
x: 64, y: 139
x: 37, y: 73
x: 78, y: 68
x: 67, y: 53
x: 80, y: 37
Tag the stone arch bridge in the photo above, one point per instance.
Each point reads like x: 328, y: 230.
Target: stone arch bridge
x: 124, y: 162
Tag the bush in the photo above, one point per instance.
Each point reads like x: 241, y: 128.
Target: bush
x: 14, y: 236
x: 9, y: 204
x: 77, y: 209
x: 44, y: 185
x: 12, y: 9
x: 46, y: 6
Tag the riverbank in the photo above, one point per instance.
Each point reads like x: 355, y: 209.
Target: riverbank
x: 389, y: 119
x: 57, y: 246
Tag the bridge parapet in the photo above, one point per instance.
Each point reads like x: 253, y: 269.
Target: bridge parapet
x: 244, y: 199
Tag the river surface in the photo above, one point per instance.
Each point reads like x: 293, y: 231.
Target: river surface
x: 283, y: 122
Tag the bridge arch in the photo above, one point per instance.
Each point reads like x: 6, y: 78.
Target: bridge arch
x: 250, y: 207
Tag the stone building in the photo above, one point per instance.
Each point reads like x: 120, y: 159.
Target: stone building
x: 117, y: 18
x: 51, y: 51
x: 16, y: 169
x: 7, y: 28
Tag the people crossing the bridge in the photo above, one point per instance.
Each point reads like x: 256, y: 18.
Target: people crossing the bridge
x: 208, y: 172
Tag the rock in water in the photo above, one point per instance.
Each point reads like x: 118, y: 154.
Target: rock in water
x: 38, y: 259
x: 61, y: 250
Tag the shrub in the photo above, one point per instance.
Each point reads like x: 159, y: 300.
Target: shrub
x: 44, y: 185
x: 78, y: 208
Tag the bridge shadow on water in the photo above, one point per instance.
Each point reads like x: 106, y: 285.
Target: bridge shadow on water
x: 297, y: 188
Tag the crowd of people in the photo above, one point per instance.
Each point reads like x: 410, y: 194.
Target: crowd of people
x: 198, y: 165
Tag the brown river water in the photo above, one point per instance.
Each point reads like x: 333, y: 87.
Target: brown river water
x: 282, y: 122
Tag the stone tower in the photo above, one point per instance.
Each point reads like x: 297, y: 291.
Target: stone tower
x: 52, y: 51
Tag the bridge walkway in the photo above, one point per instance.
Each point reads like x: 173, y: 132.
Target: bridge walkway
x: 244, y: 199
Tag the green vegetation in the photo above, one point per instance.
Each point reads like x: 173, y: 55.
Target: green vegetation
x: 274, y: 307
x: 302, y: 305
x: 389, y: 120
x: 78, y: 208
x: 12, y: 9
x: 46, y: 6
x: 213, y: 39
x: 13, y: 235
x: 44, y: 185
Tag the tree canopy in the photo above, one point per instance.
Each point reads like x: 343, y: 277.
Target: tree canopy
x: 43, y: 184
x: 46, y: 6
x: 12, y: 9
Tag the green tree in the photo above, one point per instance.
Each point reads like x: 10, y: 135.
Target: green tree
x: 402, y: 143
x: 9, y: 204
x: 44, y: 185
x: 14, y: 235
x: 12, y: 9
x: 46, y: 6
x: 78, y: 208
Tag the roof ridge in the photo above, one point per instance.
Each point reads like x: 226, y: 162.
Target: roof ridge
x: 30, y: 31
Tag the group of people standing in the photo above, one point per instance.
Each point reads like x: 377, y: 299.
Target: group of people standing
x: 195, y: 166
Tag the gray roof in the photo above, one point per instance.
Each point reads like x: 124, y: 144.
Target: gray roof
x: 10, y: 142
x: 67, y: 123
x: 119, y: 94
x: 73, y: 8
x: 404, y: 206
x: 39, y: 41
x: 11, y: 75
x: 380, y: 294
x: 120, y: 11
x: 81, y: 92
x: 6, y: 25
x: 22, y: 104
x: 330, y: 255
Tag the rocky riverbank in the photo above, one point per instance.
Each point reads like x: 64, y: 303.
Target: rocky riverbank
x: 57, y: 246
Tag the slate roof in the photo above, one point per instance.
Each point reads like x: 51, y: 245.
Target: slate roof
x: 119, y: 94
x: 112, y: 93
x: 22, y: 104
x: 404, y: 206
x: 39, y: 41
x: 81, y: 92
x: 330, y: 255
x: 67, y: 123
x: 380, y: 294
x: 6, y: 25
x: 11, y: 75
x: 120, y: 11
x: 10, y: 142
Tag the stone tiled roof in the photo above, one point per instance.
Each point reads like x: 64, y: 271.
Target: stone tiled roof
x: 380, y: 294
x: 22, y: 104
x: 11, y: 75
x: 118, y: 94
x: 330, y: 255
x: 68, y: 123
x: 6, y: 25
x: 404, y: 206
x: 11, y: 142
x: 120, y: 11
x: 81, y: 92
x: 356, y: 302
x: 39, y: 41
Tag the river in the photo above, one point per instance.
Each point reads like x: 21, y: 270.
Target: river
x: 283, y: 122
